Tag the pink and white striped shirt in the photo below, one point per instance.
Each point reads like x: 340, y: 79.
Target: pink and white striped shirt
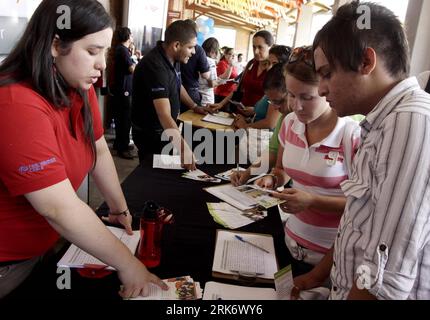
x: 317, y: 169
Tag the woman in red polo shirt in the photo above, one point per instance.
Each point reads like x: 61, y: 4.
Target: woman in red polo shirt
x: 226, y: 70
x: 51, y: 138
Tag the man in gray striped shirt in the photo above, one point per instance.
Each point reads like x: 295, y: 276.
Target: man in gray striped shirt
x: 382, y: 250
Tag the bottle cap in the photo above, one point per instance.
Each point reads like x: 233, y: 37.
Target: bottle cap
x: 150, y: 210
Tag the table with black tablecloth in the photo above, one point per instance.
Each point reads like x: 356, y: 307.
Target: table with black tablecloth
x: 187, y: 246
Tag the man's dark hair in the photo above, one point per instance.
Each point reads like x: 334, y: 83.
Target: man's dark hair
x: 210, y: 45
x: 266, y: 35
x: 180, y: 30
x: 344, y: 41
x: 240, y: 55
x: 122, y: 34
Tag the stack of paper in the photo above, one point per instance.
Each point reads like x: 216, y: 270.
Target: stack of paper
x: 164, y: 161
x: 233, y: 218
x: 199, y: 175
x: 77, y: 258
x: 181, y: 288
x: 283, y: 283
x: 219, y: 118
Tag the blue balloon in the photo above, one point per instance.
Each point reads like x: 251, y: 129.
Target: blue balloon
x: 210, y: 22
x: 200, y: 38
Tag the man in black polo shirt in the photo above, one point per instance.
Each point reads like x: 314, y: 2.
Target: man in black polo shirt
x: 158, y: 92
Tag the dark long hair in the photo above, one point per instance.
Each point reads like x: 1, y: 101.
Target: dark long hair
x: 31, y: 59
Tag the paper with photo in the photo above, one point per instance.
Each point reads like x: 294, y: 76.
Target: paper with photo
x: 233, y: 218
x: 180, y: 288
x: 199, y: 175
x: 227, y: 174
x: 243, y: 197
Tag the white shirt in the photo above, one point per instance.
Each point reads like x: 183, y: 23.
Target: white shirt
x: 384, y: 234
x: 207, y: 92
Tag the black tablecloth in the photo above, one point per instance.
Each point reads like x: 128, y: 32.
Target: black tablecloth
x: 187, y: 246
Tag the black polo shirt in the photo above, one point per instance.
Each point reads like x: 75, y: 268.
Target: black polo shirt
x: 191, y: 71
x: 154, y: 78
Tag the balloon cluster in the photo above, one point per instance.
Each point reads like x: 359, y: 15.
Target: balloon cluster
x: 205, y: 29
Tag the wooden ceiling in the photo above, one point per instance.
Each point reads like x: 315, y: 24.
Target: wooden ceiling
x: 253, y: 15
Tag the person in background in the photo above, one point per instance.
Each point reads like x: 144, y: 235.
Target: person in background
x: 239, y: 64
x: 316, y: 150
x: 250, y: 88
x: 206, y: 86
x: 226, y: 71
x: 158, y: 92
x: 383, y: 242
x: 265, y: 116
x: 52, y: 139
x: 121, y: 89
x: 197, y: 67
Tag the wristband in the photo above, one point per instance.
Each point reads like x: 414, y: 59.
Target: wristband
x: 124, y: 213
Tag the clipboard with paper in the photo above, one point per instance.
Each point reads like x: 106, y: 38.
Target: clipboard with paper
x: 252, y: 260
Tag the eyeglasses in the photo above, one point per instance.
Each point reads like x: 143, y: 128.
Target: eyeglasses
x: 304, y: 54
x: 279, y: 102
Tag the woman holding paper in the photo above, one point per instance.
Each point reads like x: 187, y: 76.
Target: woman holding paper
x: 276, y: 92
x: 52, y: 137
x: 316, y: 150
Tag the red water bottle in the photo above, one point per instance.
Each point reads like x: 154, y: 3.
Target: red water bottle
x: 149, y: 251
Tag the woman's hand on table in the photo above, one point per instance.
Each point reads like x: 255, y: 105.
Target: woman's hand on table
x: 136, y: 279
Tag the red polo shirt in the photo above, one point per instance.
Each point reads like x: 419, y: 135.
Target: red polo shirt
x: 252, y: 85
x: 225, y: 89
x: 39, y: 146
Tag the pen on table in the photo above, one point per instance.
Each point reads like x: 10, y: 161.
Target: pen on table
x: 250, y: 243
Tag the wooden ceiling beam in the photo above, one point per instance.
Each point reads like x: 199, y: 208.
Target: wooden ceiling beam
x: 224, y: 14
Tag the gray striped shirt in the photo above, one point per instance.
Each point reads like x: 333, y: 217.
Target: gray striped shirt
x: 384, y: 236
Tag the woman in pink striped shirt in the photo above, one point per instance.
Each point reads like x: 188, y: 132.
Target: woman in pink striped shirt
x: 316, y: 149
